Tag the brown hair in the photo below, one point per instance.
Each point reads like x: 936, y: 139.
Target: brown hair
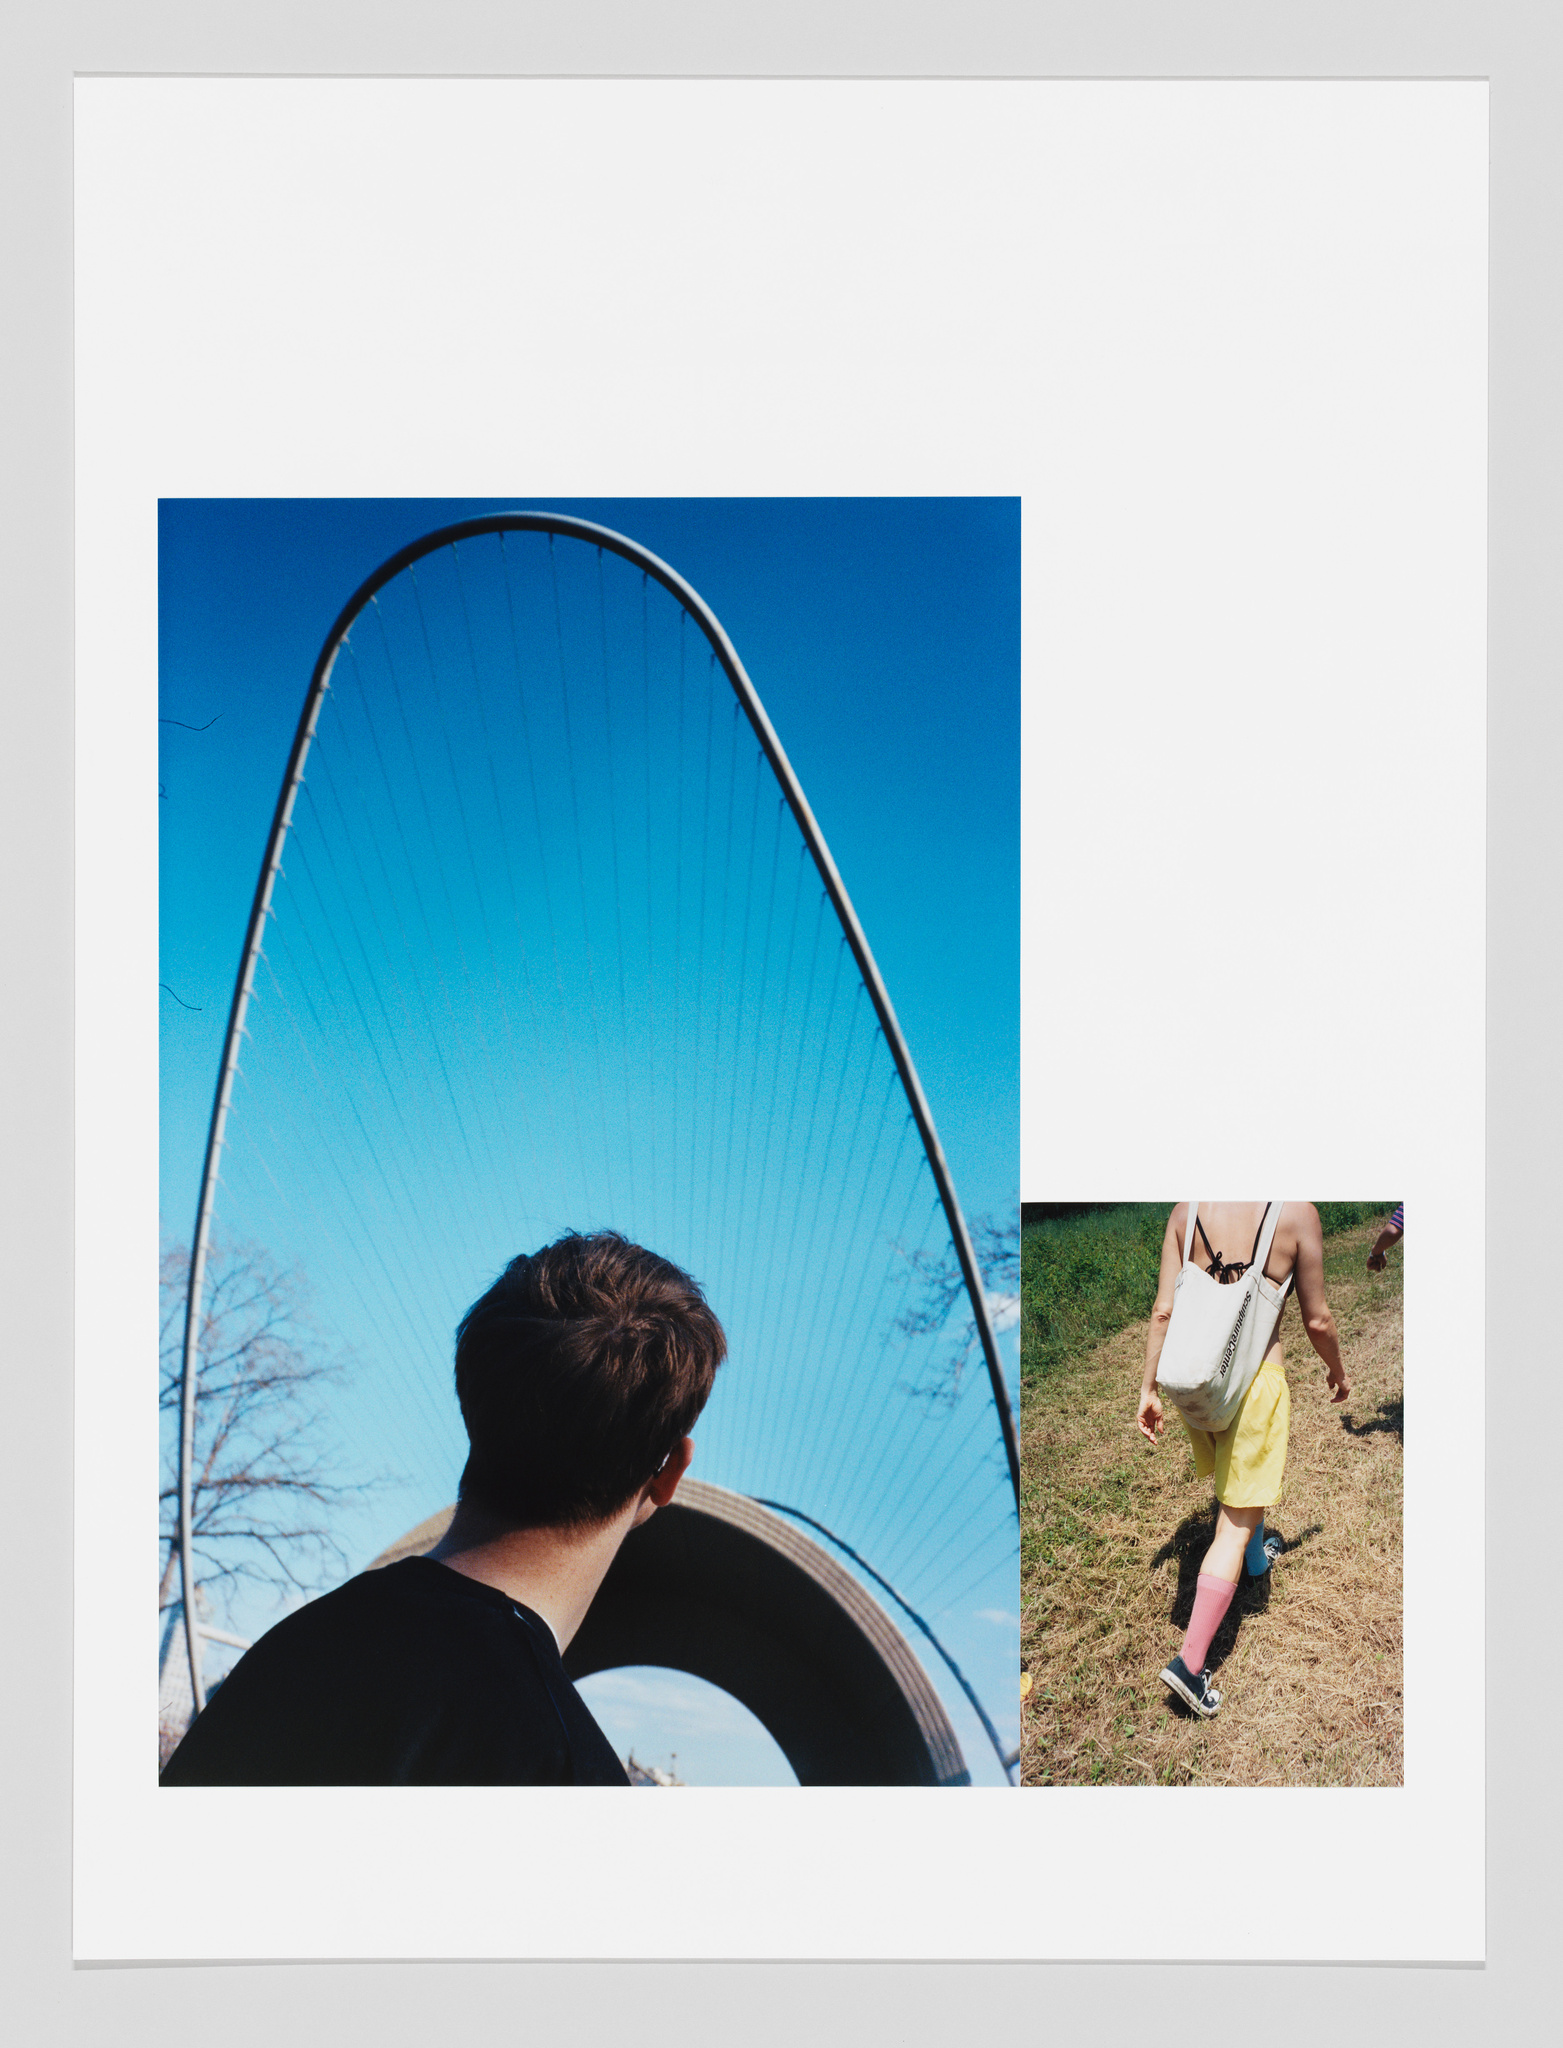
x: 577, y: 1373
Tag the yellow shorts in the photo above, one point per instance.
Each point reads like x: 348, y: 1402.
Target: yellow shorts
x: 1248, y: 1457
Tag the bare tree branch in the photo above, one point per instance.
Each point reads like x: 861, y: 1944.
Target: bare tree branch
x: 996, y: 1242
x: 262, y: 1492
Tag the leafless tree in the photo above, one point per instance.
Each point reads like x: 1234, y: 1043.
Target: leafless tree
x: 262, y: 1491
x: 996, y: 1243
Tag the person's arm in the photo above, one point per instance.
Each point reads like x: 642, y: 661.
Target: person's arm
x: 1317, y: 1320
x: 1387, y: 1238
x: 1149, y: 1419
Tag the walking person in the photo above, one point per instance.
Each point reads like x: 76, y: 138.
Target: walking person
x: 1394, y: 1230
x: 1271, y: 1247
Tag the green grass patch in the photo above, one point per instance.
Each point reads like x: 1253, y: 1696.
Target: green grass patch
x: 1087, y: 1273
x: 1083, y: 1277
x: 1338, y: 1216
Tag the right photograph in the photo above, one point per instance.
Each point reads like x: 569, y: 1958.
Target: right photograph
x: 1212, y: 1454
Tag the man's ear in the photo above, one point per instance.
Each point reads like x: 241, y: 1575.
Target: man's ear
x: 663, y: 1484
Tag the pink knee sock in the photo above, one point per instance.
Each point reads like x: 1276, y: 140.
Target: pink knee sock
x: 1212, y: 1598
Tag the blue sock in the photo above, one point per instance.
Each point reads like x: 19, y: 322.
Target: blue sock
x: 1254, y: 1556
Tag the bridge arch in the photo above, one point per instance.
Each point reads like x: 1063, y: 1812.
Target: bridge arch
x: 718, y: 1586
x: 882, y: 1447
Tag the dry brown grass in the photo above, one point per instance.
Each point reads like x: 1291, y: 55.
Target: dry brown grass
x: 1112, y: 1533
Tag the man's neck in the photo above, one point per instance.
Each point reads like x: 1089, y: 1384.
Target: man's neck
x: 555, y: 1572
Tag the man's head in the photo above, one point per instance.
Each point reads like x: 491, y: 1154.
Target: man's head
x: 579, y: 1373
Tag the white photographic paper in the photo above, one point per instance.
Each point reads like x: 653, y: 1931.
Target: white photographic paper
x: 1227, y: 343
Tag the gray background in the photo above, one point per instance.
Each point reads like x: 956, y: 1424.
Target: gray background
x: 1520, y: 48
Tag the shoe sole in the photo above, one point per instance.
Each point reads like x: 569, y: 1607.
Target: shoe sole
x: 1170, y: 1678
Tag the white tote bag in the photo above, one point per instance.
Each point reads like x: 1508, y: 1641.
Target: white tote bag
x: 1219, y: 1332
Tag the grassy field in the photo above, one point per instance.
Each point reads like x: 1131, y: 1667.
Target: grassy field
x: 1112, y: 1532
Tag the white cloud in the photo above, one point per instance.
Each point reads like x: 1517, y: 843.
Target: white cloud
x: 1005, y: 1310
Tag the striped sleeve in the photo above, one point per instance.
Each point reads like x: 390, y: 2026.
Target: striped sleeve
x: 1398, y: 1220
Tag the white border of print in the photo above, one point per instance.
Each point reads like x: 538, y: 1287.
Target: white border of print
x: 1059, y: 290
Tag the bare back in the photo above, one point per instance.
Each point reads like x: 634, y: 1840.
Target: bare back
x: 1232, y: 1230
x: 1296, y: 1252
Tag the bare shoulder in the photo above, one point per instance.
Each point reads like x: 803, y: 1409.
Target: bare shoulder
x: 1300, y: 1220
x: 1178, y: 1221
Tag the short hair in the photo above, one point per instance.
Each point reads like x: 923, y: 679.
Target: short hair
x: 578, y: 1372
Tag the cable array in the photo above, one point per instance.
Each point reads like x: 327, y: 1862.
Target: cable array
x: 549, y: 950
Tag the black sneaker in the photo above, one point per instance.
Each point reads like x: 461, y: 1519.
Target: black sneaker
x: 1198, y: 1693
x: 1274, y: 1545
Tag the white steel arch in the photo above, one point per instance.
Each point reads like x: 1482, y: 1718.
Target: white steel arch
x: 748, y: 699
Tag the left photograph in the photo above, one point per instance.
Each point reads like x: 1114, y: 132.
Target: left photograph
x: 589, y: 1107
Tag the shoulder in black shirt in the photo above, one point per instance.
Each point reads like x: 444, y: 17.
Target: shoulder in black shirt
x: 410, y: 1675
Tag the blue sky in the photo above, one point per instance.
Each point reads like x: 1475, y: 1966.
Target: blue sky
x: 883, y: 638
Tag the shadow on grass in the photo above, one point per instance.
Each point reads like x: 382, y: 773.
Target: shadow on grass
x: 1188, y: 1544
x: 1389, y: 1418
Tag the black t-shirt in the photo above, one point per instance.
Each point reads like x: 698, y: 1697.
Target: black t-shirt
x: 410, y: 1675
